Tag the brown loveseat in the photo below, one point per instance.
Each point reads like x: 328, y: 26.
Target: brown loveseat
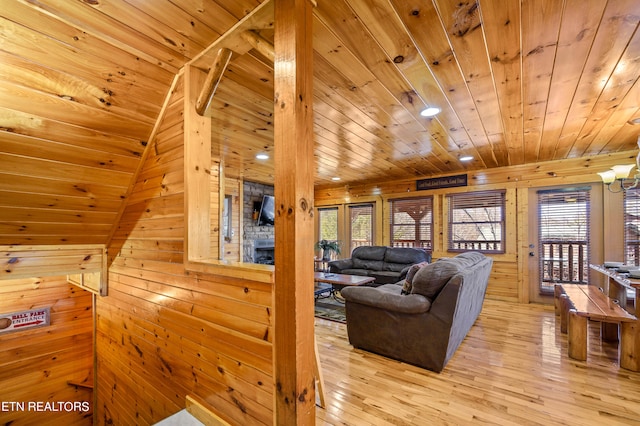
x: 385, y: 264
x: 426, y: 326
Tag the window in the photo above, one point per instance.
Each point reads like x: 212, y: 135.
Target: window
x: 412, y: 222
x: 632, y: 226
x: 328, y: 224
x: 227, y: 226
x: 361, y: 222
x: 476, y: 221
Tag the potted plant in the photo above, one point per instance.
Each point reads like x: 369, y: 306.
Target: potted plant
x: 327, y: 248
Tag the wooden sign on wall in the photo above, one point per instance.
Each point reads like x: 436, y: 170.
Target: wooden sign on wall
x: 24, y: 320
x: 442, y: 182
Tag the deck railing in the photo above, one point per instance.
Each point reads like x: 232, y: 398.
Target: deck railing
x: 563, y: 261
x: 411, y: 243
x: 632, y: 254
x: 481, y: 245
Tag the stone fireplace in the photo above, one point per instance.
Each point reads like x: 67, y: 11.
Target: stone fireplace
x: 251, y: 231
x: 263, y: 251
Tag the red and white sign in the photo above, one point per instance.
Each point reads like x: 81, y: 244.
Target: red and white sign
x: 24, y: 320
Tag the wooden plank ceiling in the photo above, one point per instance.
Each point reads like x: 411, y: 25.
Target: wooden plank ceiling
x: 82, y: 84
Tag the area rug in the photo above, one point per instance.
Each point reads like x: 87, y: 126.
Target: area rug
x: 330, y: 309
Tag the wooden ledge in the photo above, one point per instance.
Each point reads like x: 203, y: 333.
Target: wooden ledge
x: 246, y: 271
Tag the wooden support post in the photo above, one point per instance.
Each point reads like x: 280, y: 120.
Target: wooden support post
x: 213, y: 78
x: 197, y: 171
x: 294, y: 358
x: 630, y: 346
x: 577, y: 330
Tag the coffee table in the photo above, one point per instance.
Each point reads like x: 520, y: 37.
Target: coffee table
x: 338, y: 282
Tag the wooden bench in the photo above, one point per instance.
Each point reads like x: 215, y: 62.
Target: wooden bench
x: 575, y: 304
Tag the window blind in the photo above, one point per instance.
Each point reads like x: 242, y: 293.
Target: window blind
x: 632, y: 226
x: 476, y: 221
x: 361, y: 225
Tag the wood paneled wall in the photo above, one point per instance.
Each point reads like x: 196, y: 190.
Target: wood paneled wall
x: 36, y: 364
x: 163, y: 333
x: 509, y: 277
x: 36, y: 261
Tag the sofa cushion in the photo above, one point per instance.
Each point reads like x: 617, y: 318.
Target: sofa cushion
x: 385, y: 277
x: 404, y: 255
x: 395, y: 267
x: 369, y: 252
x: 406, y: 287
x: 374, y: 265
x: 431, y: 278
x: 470, y: 257
x: 385, y: 297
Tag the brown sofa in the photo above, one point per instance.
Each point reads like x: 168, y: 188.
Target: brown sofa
x: 385, y: 264
x: 426, y: 326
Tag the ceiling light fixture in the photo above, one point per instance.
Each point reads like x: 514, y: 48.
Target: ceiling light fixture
x: 466, y: 158
x: 429, y: 111
x: 262, y: 156
x: 336, y: 178
x: 620, y: 173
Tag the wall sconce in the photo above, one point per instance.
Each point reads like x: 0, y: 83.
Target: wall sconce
x: 620, y: 173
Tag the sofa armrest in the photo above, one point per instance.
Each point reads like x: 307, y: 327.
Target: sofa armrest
x: 374, y: 297
x: 405, y: 270
x: 336, y: 266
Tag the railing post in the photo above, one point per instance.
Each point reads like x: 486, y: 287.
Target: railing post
x: 581, y: 263
x: 571, y: 271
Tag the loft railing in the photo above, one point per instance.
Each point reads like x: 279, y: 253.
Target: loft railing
x: 563, y: 261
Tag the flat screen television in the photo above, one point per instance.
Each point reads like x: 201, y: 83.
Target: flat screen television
x: 267, y: 211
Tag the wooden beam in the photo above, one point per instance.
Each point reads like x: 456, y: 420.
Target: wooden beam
x: 294, y: 358
x: 260, y: 18
x: 259, y: 43
x: 213, y: 78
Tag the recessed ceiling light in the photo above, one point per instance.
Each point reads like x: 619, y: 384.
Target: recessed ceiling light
x: 429, y: 112
x: 466, y: 158
x: 335, y: 178
x: 262, y: 157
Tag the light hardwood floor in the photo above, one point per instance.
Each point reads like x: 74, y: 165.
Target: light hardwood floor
x: 512, y: 369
